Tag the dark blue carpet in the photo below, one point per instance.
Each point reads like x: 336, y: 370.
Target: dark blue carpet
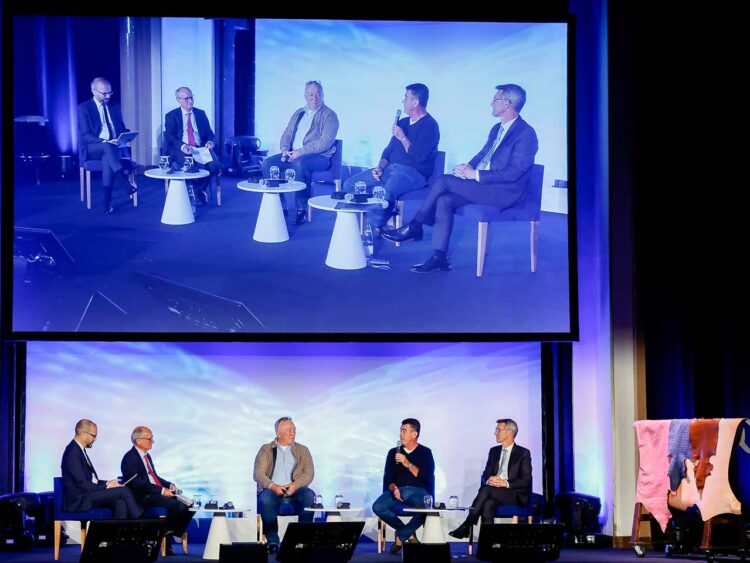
x: 287, y: 285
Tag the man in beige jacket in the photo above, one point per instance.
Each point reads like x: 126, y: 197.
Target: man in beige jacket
x: 283, y: 471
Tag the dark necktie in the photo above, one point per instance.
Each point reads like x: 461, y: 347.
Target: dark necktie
x: 484, y: 164
x: 91, y: 465
x: 152, y: 472
x: 190, y: 132
x: 108, y: 122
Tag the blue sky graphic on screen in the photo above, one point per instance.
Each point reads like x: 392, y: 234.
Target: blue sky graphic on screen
x: 211, y: 406
x: 213, y: 273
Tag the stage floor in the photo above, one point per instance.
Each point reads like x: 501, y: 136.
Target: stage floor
x: 367, y: 553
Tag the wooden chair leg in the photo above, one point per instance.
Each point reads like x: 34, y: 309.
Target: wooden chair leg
x: 380, y: 545
x: 81, y: 174
x: 218, y: 191
x: 84, y: 527
x: 515, y: 519
x: 636, y: 533
x: 482, y: 229
x: 88, y: 189
x: 259, y: 528
x: 164, y: 546
x: 533, y: 240
x: 184, y: 542
x: 471, y: 540
x: 58, y: 529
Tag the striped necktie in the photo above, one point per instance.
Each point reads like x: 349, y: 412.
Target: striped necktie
x: 484, y: 164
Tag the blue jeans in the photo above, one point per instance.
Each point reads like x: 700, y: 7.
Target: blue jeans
x: 303, y: 167
x: 412, y: 497
x: 397, y: 179
x: 268, y: 507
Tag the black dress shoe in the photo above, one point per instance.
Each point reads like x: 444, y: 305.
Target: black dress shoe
x: 407, y: 232
x: 396, y: 547
x: 170, y: 550
x: 300, y: 217
x: 461, y: 532
x: 201, y: 196
x: 272, y: 547
x: 433, y: 264
x: 109, y: 210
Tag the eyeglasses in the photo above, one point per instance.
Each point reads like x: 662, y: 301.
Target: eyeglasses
x: 92, y: 435
x: 185, y: 98
x: 498, y: 430
x: 104, y: 93
x: 149, y: 438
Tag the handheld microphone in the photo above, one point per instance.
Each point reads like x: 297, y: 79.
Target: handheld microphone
x: 398, y: 116
x: 400, y: 447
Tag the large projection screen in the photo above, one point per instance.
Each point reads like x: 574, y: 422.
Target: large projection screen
x: 211, y: 406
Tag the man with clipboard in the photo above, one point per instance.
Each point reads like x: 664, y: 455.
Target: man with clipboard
x: 100, y: 124
x: 149, y: 488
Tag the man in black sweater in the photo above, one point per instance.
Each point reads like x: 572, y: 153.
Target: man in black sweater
x: 408, y: 477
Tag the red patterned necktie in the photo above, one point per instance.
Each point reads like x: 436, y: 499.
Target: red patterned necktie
x: 151, y: 472
x: 190, y: 132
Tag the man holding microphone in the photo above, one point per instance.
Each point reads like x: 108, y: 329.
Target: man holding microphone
x: 408, y: 477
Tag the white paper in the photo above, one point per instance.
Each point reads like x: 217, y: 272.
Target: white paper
x: 202, y: 155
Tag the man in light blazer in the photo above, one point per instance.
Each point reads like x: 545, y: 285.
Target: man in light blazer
x: 187, y: 128
x: 307, y: 144
x: 506, y: 479
x: 498, y: 175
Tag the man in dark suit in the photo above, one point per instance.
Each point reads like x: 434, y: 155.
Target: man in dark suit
x: 99, y: 124
x: 506, y: 479
x: 498, y: 175
x: 82, y: 488
x: 149, y: 488
x: 186, y: 129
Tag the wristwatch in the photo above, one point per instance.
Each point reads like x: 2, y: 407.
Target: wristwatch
x: 409, y: 466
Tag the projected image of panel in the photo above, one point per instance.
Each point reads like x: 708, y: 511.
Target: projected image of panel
x: 230, y: 254
x: 211, y: 407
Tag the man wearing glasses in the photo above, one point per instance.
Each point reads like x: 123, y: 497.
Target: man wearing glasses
x: 82, y: 488
x: 186, y: 129
x: 283, y: 470
x: 149, y: 488
x: 99, y: 124
x: 506, y: 479
x: 307, y: 144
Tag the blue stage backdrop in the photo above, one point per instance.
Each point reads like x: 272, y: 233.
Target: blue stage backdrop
x: 365, y: 65
x: 211, y: 406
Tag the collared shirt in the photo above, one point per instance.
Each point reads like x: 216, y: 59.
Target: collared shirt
x: 303, y: 128
x: 285, y: 462
x: 501, y: 134
x: 104, y: 134
x: 502, y: 468
x: 94, y: 480
x: 184, y: 127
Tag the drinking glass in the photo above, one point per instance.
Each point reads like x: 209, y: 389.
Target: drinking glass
x: 428, y: 501
x: 453, y: 502
x: 290, y: 174
x: 360, y: 188
x: 164, y: 163
x: 274, y: 171
x: 378, y: 192
x: 318, y: 500
x: 188, y: 164
x: 338, y: 500
x: 197, y: 503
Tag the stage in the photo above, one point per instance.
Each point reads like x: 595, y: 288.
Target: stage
x: 366, y: 552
